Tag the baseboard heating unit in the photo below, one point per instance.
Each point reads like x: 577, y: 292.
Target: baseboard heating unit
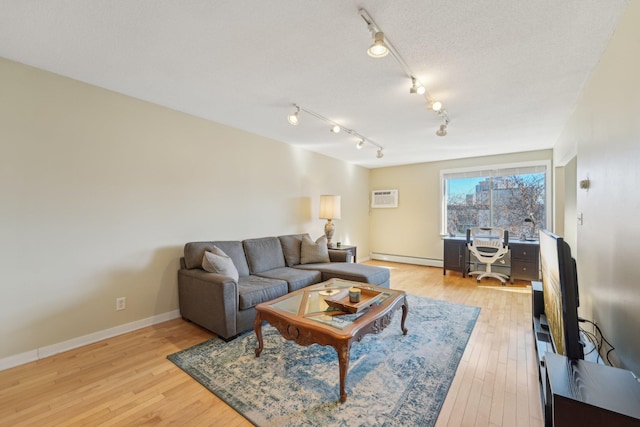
x: 429, y: 262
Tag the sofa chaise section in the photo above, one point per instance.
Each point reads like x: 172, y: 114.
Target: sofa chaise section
x: 354, y: 272
x: 292, y: 248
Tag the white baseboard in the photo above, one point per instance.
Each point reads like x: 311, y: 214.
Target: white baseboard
x: 429, y: 262
x: 50, y: 350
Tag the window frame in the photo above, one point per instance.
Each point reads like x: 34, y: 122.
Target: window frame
x: 494, y: 168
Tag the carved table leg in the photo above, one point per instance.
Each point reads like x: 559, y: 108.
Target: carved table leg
x: 405, y: 311
x: 343, y: 362
x: 257, y: 327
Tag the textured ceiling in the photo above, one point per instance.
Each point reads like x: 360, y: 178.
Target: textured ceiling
x: 509, y: 72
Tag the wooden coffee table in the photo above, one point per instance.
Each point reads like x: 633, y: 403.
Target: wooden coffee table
x: 303, y: 316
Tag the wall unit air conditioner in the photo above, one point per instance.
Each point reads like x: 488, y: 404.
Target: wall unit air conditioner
x: 384, y: 199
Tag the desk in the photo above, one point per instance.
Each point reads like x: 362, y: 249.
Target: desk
x: 523, y: 260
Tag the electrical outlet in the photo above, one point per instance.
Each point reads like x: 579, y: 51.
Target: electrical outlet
x: 121, y: 303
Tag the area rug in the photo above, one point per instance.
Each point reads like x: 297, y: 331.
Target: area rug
x: 392, y: 379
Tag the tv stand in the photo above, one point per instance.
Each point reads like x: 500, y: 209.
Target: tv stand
x: 578, y: 392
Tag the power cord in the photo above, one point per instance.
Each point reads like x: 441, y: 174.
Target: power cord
x: 597, y: 342
x: 594, y: 341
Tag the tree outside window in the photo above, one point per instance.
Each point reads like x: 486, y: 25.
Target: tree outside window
x: 498, y: 198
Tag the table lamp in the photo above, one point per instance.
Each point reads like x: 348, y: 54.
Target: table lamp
x: 533, y: 227
x: 329, y: 210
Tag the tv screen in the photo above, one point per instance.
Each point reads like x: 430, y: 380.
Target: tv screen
x: 560, y: 293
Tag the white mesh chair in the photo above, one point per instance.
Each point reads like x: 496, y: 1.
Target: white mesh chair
x: 488, y: 245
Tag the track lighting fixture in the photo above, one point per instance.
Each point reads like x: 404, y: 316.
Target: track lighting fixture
x: 294, y: 118
x: 379, y: 153
x: 378, y: 49
x: 336, y: 128
x: 442, y: 130
x: 416, y: 85
x: 416, y: 88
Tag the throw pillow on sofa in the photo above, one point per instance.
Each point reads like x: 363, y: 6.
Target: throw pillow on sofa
x: 291, y: 245
x: 217, y: 261
x: 314, y: 252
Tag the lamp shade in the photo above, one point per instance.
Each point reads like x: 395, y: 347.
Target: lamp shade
x: 329, y: 207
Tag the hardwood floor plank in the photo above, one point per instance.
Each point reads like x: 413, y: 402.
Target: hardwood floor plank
x: 127, y: 380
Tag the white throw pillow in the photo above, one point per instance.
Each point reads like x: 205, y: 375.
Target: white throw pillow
x: 217, y: 261
x: 314, y: 252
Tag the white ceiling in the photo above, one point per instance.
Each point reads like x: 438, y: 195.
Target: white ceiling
x: 509, y: 72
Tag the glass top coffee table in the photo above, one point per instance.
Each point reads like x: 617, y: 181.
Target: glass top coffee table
x: 305, y: 317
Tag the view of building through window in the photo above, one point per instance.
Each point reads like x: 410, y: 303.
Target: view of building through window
x: 496, y: 199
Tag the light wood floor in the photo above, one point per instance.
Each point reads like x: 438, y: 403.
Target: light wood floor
x: 127, y: 380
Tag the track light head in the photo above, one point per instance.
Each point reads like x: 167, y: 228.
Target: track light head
x: 436, y: 106
x: 416, y: 88
x: 442, y: 131
x: 378, y: 49
x: 294, y: 118
x: 336, y: 129
x: 379, y: 154
x: 360, y: 144
x: 420, y: 90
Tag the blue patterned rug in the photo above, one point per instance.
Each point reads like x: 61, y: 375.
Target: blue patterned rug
x: 392, y: 379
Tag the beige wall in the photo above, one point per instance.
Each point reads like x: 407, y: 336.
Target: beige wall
x: 99, y: 193
x: 570, y: 231
x: 413, y: 229
x: 606, y: 131
x: 558, y: 201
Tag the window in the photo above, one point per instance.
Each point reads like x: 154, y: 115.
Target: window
x: 496, y: 197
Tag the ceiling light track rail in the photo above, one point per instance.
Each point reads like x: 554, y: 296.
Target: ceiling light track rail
x: 381, y: 47
x: 294, y: 119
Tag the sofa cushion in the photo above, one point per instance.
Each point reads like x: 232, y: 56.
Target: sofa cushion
x: 217, y: 261
x: 263, y: 254
x: 235, y: 251
x: 350, y: 271
x: 296, y: 278
x: 194, y: 251
x: 253, y: 290
x: 313, y: 252
x: 291, y: 248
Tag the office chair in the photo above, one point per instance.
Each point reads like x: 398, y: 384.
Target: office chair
x: 488, y: 245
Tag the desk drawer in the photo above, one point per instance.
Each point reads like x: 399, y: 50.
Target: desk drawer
x: 524, y: 270
x: 526, y: 252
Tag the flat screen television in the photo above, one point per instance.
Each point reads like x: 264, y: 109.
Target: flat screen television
x: 560, y: 294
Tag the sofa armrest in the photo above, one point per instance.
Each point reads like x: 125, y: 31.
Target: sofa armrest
x: 209, y: 300
x: 339, y: 256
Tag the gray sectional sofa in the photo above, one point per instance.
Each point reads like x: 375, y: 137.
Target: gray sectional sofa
x: 268, y: 268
